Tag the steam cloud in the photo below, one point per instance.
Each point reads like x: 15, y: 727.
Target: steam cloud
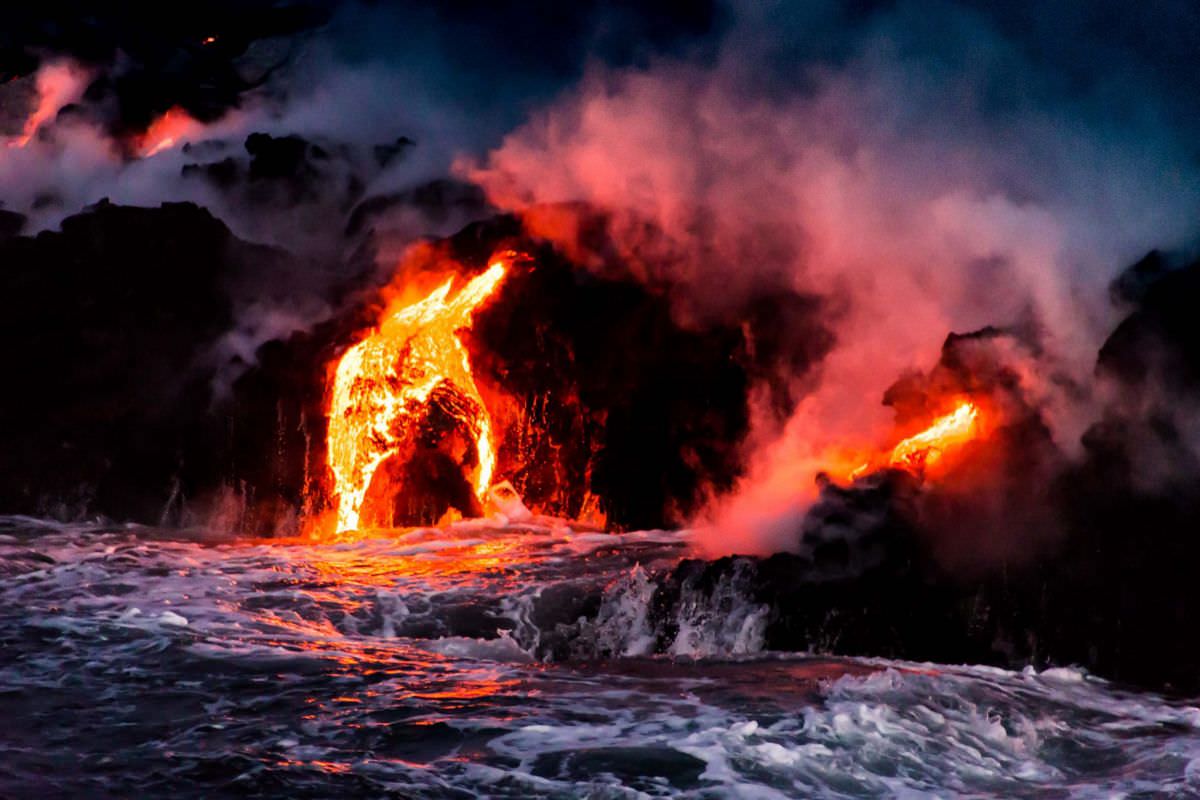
x: 926, y: 175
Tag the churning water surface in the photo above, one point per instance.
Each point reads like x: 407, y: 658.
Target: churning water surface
x: 501, y: 661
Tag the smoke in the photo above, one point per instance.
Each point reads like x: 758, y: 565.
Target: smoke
x: 929, y: 172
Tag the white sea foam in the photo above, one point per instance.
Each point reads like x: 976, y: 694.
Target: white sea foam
x: 401, y: 663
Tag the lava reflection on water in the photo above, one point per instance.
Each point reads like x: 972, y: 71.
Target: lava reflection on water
x: 207, y: 667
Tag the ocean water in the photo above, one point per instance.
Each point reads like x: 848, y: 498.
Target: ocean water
x: 500, y: 661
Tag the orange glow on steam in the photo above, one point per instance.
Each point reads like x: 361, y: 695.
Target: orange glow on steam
x: 167, y: 131
x: 58, y: 84
x: 384, y: 381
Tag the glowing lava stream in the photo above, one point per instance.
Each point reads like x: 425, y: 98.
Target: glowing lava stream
x: 58, y: 84
x: 166, y: 132
x: 951, y: 430
x: 389, y: 375
x: 924, y: 449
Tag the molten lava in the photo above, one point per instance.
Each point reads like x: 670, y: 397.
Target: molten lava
x: 166, y: 132
x: 58, y: 84
x: 383, y: 383
x: 921, y: 451
x: 925, y: 448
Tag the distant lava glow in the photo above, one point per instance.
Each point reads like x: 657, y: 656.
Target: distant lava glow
x: 382, y: 384
x: 166, y: 132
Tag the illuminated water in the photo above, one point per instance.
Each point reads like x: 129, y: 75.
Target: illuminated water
x: 137, y: 663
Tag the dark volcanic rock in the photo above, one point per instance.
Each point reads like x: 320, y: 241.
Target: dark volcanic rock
x: 289, y: 189
x: 101, y: 328
x: 104, y: 336
x: 436, y: 201
x: 282, y: 172
x: 1158, y: 344
x: 1134, y: 501
x: 11, y: 223
x: 281, y: 156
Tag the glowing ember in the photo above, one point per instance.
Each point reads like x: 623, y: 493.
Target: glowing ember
x: 383, y: 381
x: 166, y: 132
x: 925, y: 448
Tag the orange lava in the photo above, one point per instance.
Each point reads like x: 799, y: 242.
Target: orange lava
x: 927, y: 447
x: 382, y: 384
x: 166, y: 132
x: 923, y: 451
x: 58, y: 84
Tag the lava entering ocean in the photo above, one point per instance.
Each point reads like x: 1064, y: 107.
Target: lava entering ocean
x: 384, y: 383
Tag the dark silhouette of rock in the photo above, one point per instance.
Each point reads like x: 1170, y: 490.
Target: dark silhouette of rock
x: 102, y: 326
x: 11, y: 223
x: 436, y: 201
x: 107, y: 333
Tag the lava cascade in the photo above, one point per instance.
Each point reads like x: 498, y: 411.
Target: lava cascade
x: 382, y: 384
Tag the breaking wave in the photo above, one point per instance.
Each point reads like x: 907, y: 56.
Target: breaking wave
x: 501, y: 660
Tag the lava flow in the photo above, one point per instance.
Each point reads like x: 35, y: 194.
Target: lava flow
x: 923, y: 450
x: 927, y: 447
x: 382, y: 384
x: 166, y: 132
x: 58, y: 84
